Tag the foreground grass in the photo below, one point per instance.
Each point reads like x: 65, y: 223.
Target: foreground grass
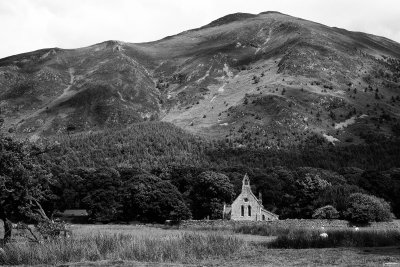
x: 383, y: 256
x: 186, y: 248
x: 261, y: 229
x: 305, y: 238
x: 301, y: 238
x: 249, y: 245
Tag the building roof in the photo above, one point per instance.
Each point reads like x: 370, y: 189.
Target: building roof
x: 271, y: 213
x: 71, y: 213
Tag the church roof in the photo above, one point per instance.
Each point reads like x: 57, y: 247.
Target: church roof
x: 271, y: 213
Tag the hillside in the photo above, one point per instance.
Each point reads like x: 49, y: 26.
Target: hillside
x: 160, y: 145
x: 261, y: 80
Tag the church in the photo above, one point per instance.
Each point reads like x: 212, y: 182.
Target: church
x: 247, y: 207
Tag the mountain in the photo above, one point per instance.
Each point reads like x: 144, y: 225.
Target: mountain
x: 266, y: 80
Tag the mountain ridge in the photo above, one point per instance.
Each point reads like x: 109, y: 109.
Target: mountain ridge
x: 270, y: 79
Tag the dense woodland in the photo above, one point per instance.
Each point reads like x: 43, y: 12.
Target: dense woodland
x: 155, y: 145
x: 155, y: 171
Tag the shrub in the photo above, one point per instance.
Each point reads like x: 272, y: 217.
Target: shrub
x: 363, y: 208
x: 256, y: 79
x: 326, y: 212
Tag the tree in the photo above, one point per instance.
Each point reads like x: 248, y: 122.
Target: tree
x: 70, y: 188
x: 396, y: 129
x: 102, y: 199
x: 326, y: 212
x: 365, y: 208
x: 148, y: 198
x: 308, y: 187
x: 181, y: 176
x: 24, y: 184
x: 210, y: 191
x: 276, y: 186
x: 332, y: 115
x: 337, y: 196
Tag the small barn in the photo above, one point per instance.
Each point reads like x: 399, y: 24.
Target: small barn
x: 247, y: 207
x: 73, y: 216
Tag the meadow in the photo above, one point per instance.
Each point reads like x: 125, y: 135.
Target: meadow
x: 246, y: 245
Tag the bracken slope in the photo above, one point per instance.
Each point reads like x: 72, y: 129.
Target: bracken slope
x: 268, y: 79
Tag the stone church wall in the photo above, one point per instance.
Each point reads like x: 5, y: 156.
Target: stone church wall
x: 240, y: 202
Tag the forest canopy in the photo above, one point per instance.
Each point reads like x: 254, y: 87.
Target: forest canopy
x: 153, y: 172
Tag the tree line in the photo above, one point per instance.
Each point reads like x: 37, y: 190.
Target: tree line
x: 154, y: 172
x: 158, y: 144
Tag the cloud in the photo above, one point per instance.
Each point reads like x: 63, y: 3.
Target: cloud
x: 34, y: 24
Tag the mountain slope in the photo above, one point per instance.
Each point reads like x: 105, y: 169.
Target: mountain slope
x: 267, y: 80
x: 53, y: 90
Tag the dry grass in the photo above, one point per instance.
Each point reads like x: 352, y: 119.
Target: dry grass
x: 159, y: 232
x: 184, y: 248
x: 262, y: 230
x: 320, y: 257
x: 305, y: 238
x: 300, y: 238
x: 140, y: 245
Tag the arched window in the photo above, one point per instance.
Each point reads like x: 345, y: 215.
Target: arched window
x: 249, y: 210
x: 263, y: 217
x: 242, y: 210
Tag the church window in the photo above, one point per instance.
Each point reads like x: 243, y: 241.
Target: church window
x: 263, y: 217
x: 249, y: 210
x: 246, y: 199
x: 242, y: 210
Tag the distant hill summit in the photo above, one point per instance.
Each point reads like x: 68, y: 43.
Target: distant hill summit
x: 230, y: 18
x: 266, y: 80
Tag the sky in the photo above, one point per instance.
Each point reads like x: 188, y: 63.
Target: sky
x: 28, y: 25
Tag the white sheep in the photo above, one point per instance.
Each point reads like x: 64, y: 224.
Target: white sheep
x: 323, y: 235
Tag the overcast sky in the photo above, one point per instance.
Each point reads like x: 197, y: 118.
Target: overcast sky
x: 28, y: 25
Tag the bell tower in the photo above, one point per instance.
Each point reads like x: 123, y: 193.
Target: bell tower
x: 246, y: 184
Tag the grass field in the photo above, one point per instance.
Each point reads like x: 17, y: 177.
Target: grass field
x: 141, y: 245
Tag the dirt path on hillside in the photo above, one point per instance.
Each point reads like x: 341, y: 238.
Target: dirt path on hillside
x: 66, y: 94
x: 71, y: 82
x: 57, y: 100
